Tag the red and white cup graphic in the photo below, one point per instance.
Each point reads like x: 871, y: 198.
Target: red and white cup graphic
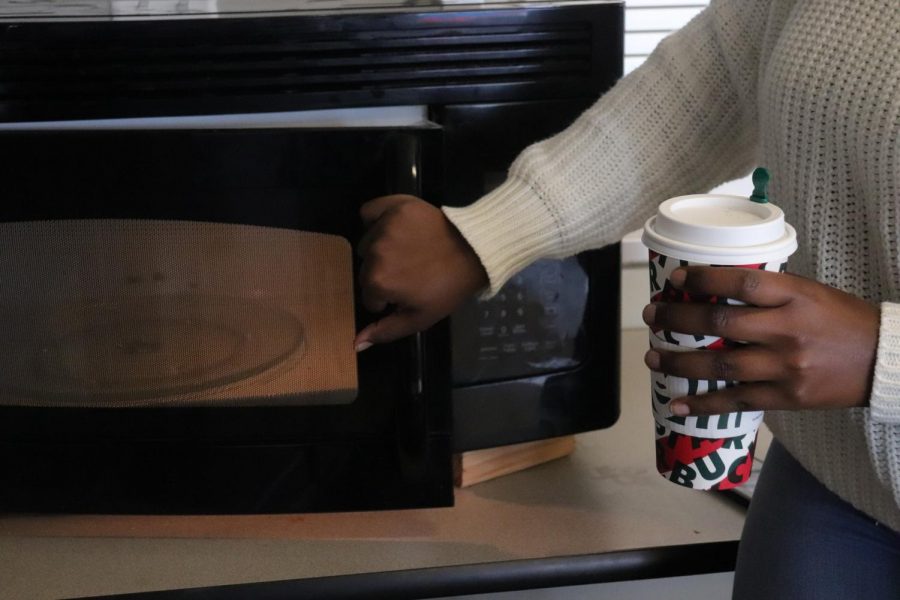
x: 707, y: 452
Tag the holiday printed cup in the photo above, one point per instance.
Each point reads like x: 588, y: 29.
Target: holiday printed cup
x: 707, y: 452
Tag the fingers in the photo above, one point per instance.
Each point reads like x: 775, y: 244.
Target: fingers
x: 808, y: 345
x: 394, y: 326
x: 371, y: 213
x: 375, y: 296
x: 747, y: 396
x: 372, y: 210
x: 762, y: 290
x: 751, y: 286
x: 758, y: 369
x: 747, y: 364
x: 745, y: 323
x: 415, y: 262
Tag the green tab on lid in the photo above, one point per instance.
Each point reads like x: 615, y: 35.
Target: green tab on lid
x: 760, y: 181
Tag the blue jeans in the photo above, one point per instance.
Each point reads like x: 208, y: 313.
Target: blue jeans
x: 801, y: 541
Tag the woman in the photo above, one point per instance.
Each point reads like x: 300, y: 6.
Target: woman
x: 810, y: 89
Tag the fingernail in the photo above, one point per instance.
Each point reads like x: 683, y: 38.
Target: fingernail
x: 677, y: 277
x: 649, y: 314
x: 363, y: 346
x: 680, y: 410
x: 651, y: 359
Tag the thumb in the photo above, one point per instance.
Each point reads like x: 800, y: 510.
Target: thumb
x: 387, y: 329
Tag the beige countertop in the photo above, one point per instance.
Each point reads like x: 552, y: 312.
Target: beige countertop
x: 605, y: 497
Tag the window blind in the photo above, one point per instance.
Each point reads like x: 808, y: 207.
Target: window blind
x: 649, y: 21
x: 646, y: 23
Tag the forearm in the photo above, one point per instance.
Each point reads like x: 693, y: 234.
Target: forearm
x: 681, y: 123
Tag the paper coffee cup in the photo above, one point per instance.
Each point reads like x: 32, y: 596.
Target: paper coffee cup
x: 714, y: 452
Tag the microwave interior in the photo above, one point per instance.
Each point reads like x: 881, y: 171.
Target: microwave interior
x: 179, y: 309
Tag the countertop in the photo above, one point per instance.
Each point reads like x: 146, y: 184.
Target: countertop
x: 602, y: 507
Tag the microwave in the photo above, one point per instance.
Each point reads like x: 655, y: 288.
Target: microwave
x: 177, y: 270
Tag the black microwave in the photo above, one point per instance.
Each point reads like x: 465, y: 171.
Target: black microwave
x: 178, y: 291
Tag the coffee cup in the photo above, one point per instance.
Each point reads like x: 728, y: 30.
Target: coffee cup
x: 707, y: 452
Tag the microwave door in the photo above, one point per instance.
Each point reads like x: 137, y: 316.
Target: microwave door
x: 185, y: 301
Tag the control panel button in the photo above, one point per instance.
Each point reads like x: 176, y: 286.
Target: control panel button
x: 530, y: 327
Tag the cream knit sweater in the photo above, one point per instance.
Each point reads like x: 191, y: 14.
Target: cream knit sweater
x: 808, y: 88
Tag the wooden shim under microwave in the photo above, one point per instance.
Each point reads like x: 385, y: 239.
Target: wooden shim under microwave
x: 476, y: 466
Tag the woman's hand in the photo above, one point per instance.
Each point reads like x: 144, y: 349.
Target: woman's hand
x: 808, y: 345
x: 414, y: 261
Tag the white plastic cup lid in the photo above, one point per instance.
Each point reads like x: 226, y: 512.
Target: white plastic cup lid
x: 719, y: 229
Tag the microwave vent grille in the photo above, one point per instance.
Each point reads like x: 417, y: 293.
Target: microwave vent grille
x: 192, y: 67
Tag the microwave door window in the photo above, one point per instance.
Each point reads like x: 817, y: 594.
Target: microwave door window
x: 174, y: 313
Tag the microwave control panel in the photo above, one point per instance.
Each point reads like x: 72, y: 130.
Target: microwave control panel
x: 532, y: 326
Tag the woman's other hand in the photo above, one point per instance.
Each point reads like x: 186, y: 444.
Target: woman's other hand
x: 415, y: 262
x: 807, y: 346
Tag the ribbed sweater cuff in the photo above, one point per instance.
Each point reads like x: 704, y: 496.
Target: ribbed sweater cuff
x: 508, y: 228
x: 885, y: 401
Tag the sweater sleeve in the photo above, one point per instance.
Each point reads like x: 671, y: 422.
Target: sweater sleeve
x: 885, y: 400
x: 681, y: 123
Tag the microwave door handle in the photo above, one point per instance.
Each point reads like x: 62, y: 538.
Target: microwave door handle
x: 419, y: 381
x: 403, y: 173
